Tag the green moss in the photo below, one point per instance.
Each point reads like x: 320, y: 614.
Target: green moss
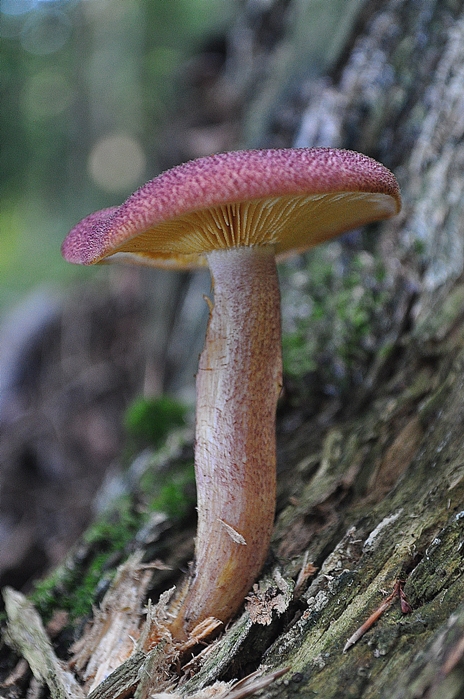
x: 333, y: 315
x: 75, y: 585
x: 72, y: 585
x: 117, y: 526
x: 298, y: 353
x: 66, y: 588
x: 149, y: 420
x: 172, y: 492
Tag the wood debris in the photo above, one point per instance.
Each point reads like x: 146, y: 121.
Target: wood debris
x: 27, y: 635
x: 111, y: 638
x: 263, y: 601
x: 306, y: 571
x: 121, y: 656
x: 375, y: 616
x: 201, y: 632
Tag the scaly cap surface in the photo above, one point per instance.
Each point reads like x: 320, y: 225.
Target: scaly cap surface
x: 292, y: 199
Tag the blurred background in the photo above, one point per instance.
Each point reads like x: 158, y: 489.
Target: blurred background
x: 86, y: 87
x: 95, y: 99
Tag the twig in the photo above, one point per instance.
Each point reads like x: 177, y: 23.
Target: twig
x: 405, y: 608
x: 251, y: 684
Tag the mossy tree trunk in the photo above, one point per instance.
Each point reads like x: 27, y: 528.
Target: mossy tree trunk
x: 371, y: 490
x: 378, y: 496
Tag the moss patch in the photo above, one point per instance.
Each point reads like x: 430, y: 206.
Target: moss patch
x: 149, y: 420
x: 333, y: 315
x: 73, y: 585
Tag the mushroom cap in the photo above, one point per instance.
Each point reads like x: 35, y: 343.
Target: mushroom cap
x: 291, y: 199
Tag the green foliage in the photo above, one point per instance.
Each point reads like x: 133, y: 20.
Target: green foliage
x: 149, y: 420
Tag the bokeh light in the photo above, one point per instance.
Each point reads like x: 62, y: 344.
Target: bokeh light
x: 117, y: 162
x: 45, y: 32
x: 86, y: 90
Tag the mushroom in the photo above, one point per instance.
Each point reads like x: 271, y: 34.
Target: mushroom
x: 237, y: 212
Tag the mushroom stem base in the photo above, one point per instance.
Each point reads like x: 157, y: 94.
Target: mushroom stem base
x: 238, y: 383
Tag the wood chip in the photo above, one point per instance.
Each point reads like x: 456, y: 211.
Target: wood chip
x: 26, y: 634
x: 233, y: 533
x: 263, y: 601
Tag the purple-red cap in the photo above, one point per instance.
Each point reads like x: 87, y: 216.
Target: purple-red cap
x: 291, y: 199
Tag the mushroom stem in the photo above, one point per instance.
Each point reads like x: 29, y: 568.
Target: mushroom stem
x: 238, y: 383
